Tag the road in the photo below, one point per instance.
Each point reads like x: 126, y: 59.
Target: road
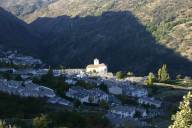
x: 174, y: 86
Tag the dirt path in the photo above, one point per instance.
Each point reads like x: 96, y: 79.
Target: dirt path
x: 173, y: 86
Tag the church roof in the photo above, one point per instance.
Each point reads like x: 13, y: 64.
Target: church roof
x: 96, y: 66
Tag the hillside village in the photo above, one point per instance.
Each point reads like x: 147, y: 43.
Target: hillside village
x: 104, y: 94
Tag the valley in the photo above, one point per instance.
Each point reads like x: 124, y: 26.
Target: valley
x: 95, y: 63
x: 120, y: 34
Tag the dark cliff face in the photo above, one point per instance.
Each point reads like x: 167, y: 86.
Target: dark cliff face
x: 15, y: 33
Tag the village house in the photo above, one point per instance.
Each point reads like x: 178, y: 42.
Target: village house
x: 70, y: 81
x: 26, y: 89
x: 87, y: 96
x: 116, y: 90
x: 98, y: 95
x: 10, y: 87
x: 150, y: 101
x: 124, y: 111
x: 46, y: 92
x: 78, y: 93
x: 134, y: 79
x: 60, y: 101
x: 5, y: 60
x: 18, y: 59
x: 7, y: 70
x: 135, y: 91
x: 96, y: 67
x: 25, y: 77
x: 25, y: 60
x: 75, y: 73
x: 113, y: 101
x: 31, y: 72
x: 58, y: 72
x: 142, y: 112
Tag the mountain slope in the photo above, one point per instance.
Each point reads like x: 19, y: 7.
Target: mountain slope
x: 15, y: 33
x: 164, y: 19
x: 115, y: 37
x: 137, y: 35
x: 23, y: 7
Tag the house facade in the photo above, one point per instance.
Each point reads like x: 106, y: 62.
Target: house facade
x: 124, y: 111
x: 97, y: 67
x: 150, y: 101
x: 84, y: 95
x: 115, y: 90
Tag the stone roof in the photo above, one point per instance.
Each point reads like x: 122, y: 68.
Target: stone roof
x: 150, y: 100
x: 123, y: 108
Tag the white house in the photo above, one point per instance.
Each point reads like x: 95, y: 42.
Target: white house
x: 70, y: 81
x: 98, y: 95
x: 116, y: 90
x: 59, y: 100
x: 78, y: 93
x: 124, y: 111
x: 97, y: 67
x: 135, y: 92
x: 150, y: 101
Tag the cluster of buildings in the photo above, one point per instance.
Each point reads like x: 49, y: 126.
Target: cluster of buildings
x: 95, y: 96
x: 150, y: 101
x: 87, y: 96
x: 121, y: 87
x: 25, y: 89
x: 12, y: 57
x: 29, y: 89
x: 128, y: 111
x: 60, y: 101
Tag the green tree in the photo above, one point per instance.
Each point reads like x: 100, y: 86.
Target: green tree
x: 85, y: 85
x: 48, y: 77
x: 104, y: 88
x: 62, y: 69
x: 103, y: 104
x: 40, y: 122
x: 18, y: 78
x: 130, y: 74
x: 163, y: 74
x: 91, y: 99
x: 2, y: 124
x: 119, y: 75
x: 183, y: 118
x: 50, y: 73
x: 150, y: 79
x: 178, y: 77
x: 77, y: 103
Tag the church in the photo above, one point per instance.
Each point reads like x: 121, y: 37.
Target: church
x: 97, y: 67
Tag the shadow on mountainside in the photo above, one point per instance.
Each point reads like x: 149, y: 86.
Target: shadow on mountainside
x: 15, y: 34
x: 116, y: 38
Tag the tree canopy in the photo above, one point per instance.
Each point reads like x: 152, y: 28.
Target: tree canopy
x: 183, y: 118
x: 163, y: 75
